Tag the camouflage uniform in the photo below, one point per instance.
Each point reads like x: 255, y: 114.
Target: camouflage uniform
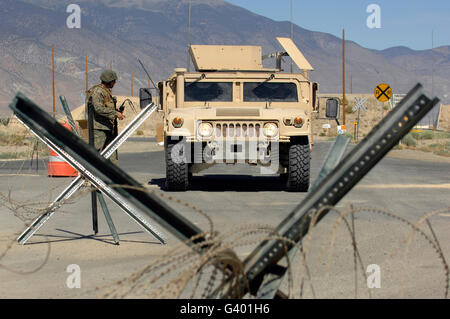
x: 105, y: 117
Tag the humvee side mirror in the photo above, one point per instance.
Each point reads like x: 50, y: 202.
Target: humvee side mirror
x: 332, y: 108
x: 145, y: 97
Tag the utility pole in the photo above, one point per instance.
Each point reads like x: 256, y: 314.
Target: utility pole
x: 351, y: 84
x: 292, y: 36
x: 432, y: 71
x: 53, y: 71
x: 343, y: 77
x: 189, y: 36
x: 432, y: 64
x: 87, y: 76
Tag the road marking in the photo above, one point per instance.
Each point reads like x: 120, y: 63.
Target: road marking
x: 19, y: 175
x: 271, y: 204
x: 19, y: 159
x: 407, y: 186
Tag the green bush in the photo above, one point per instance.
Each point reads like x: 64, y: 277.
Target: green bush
x: 427, y: 135
x: 415, y: 135
x: 13, y: 155
x: 409, y: 140
x: 442, y: 153
x: 349, y: 109
x: 13, y: 139
x: 435, y: 145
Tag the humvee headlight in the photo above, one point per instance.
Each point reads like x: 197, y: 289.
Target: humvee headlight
x: 298, y: 121
x: 270, y: 129
x: 177, y: 122
x: 205, y: 129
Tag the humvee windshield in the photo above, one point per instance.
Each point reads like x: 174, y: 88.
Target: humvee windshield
x: 208, y: 91
x: 262, y: 91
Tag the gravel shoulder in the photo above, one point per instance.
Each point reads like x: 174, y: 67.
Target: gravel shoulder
x: 418, y: 155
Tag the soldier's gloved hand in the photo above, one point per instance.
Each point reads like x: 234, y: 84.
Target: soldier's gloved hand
x: 120, y: 116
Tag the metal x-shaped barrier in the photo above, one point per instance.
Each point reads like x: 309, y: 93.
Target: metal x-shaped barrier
x: 78, y: 182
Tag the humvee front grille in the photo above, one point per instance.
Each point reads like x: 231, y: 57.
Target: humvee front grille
x: 237, y: 129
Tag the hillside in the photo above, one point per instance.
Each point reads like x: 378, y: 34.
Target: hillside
x: 155, y: 31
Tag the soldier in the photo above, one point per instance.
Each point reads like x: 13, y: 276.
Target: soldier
x: 102, y: 113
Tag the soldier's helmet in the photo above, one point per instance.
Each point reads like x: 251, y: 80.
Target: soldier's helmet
x: 108, y: 76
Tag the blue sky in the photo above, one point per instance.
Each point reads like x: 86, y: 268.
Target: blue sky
x: 409, y: 23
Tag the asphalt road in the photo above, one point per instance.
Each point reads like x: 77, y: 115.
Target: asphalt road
x: 234, y: 197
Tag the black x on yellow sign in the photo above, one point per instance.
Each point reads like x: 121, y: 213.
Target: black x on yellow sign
x: 383, y: 92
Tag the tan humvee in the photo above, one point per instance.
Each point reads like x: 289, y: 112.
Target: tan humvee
x: 232, y: 110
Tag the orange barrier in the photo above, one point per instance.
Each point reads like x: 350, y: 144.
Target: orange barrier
x: 57, y: 166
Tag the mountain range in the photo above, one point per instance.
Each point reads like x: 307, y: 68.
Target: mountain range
x: 155, y: 31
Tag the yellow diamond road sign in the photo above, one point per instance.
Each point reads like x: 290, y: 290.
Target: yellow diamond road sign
x: 383, y: 92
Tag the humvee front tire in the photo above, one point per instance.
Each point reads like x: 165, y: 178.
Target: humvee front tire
x: 177, y: 167
x: 298, y: 170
